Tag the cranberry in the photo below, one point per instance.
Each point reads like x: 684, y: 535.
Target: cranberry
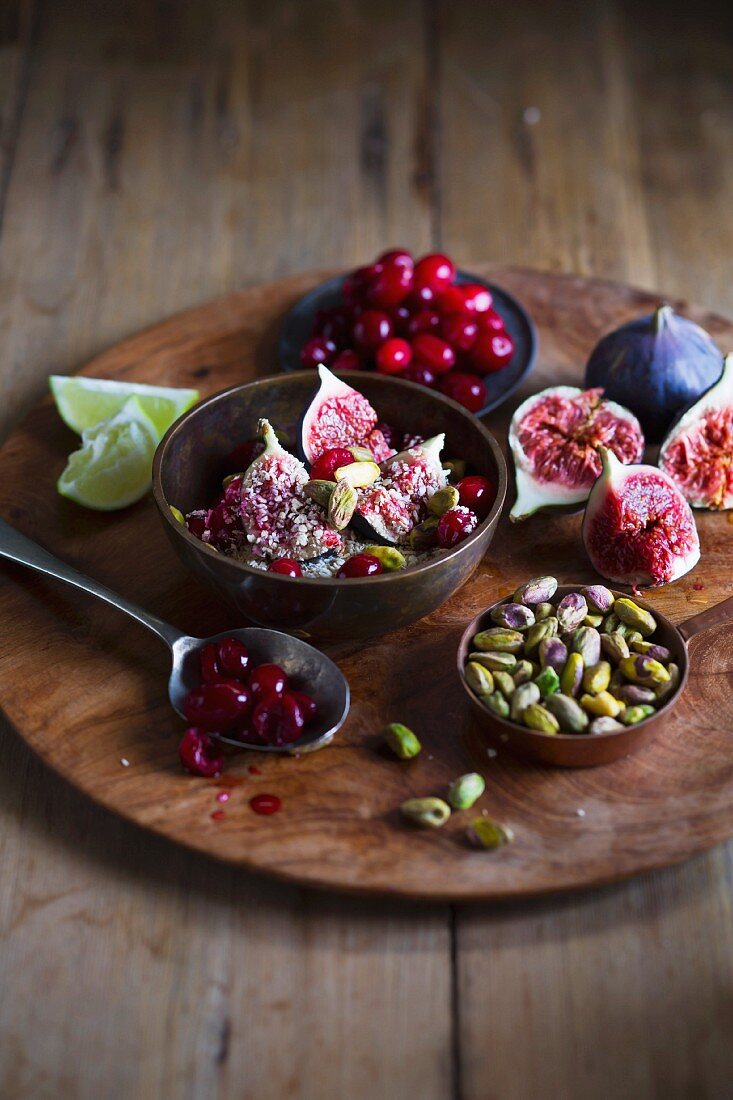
x: 420, y: 372
x: 419, y: 297
x: 277, y: 720
x: 491, y: 321
x: 326, y: 464
x: 335, y: 327
x: 433, y: 352
x: 372, y: 328
x: 355, y: 285
x: 397, y: 257
x: 401, y: 318
x: 243, y: 455
x: 267, y: 680
x: 466, y: 389
x: 426, y: 320
x: 360, y: 565
x: 346, y: 360
x: 219, y: 522
x: 393, y: 356
x: 285, y: 566
x: 453, y: 300
x: 306, y: 703
x: 317, y: 350
x: 476, y: 493
x: 200, y: 755
x: 491, y: 353
x: 217, y: 706
x: 435, y: 271
x: 390, y: 287
x: 459, y: 330
x: 454, y: 526
x: 233, y: 658
x: 209, y: 664
x: 196, y: 523
x: 476, y: 298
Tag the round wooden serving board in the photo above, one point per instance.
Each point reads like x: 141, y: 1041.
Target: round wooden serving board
x: 86, y: 688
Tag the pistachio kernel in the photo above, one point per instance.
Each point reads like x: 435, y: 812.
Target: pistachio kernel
x: 177, y: 514
x: 484, y: 832
x: 402, y: 740
x: 361, y: 454
x: 604, y: 724
x: 522, y: 698
x: 359, y: 474
x: 497, y: 662
x: 631, y: 716
x: 319, y: 491
x: 342, y: 504
x: 571, y: 611
x: 603, y: 705
x: 644, y: 670
x: 499, y: 638
x: 543, y: 611
x: 443, y: 500
x: 505, y: 684
x: 496, y: 703
x: 424, y: 535
x: 390, y: 557
x: 538, y: 590
x: 568, y: 711
x: 466, y: 790
x: 635, y: 616
x: 571, y: 676
x: 548, y: 681
x: 514, y: 615
x: 455, y: 467
x: 597, y: 677
x: 479, y: 679
x: 538, y: 718
x: 599, y: 598
x: 429, y: 813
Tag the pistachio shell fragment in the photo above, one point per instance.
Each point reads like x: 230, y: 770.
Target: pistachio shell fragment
x: 635, y: 616
x: 478, y: 678
x: 631, y: 716
x: 604, y: 724
x: 499, y: 638
x: 466, y: 790
x: 536, y: 717
x: 538, y: 590
x: 443, y: 500
x: 602, y: 705
x: 571, y: 676
x: 644, y: 670
x: 424, y: 535
x: 568, y: 711
x: 522, y: 698
x: 497, y: 662
x: 484, y: 832
x: 429, y: 813
x: 360, y: 475
x: 390, y: 557
x: 402, y: 740
x: 553, y: 653
x: 587, y: 642
x: 597, y: 677
x: 342, y: 504
x: 514, y: 615
x: 598, y: 598
x: 614, y: 647
x: 571, y: 611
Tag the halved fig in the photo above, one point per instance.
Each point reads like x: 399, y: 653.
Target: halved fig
x: 698, y: 452
x: 638, y: 528
x: 279, y: 520
x: 555, y: 437
x: 389, y: 509
x: 340, y: 416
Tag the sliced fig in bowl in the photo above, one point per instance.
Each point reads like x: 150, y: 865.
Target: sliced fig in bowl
x: 389, y: 509
x: 340, y: 416
x: 278, y: 518
x: 698, y: 452
x: 638, y: 528
x: 555, y: 437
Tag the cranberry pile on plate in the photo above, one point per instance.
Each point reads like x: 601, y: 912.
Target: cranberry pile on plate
x: 410, y: 318
x: 255, y: 704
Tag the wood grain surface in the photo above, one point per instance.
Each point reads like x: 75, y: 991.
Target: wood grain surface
x: 340, y: 825
x: 156, y: 156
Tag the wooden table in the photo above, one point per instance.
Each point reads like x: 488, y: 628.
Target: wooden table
x: 153, y: 156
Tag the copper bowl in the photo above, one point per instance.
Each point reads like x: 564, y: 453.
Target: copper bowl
x: 577, y: 750
x: 187, y: 473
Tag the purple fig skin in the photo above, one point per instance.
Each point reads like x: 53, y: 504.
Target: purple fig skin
x: 599, y: 598
x: 571, y: 611
x: 656, y: 366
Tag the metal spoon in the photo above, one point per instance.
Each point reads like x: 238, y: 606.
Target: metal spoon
x: 306, y: 665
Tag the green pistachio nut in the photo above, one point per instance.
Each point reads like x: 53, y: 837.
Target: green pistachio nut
x: 651, y: 649
x: 499, y: 638
x: 614, y: 647
x: 602, y: 705
x: 513, y: 615
x: 479, y: 679
x: 497, y: 662
x: 641, y: 669
x: 599, y: 598
x: 466, y: 790
x: 505, y: 684
x: 391, y: 558
x: 548, y: 681
x: 484, y: 832
x: 536, y: 717
x: 543, y: 611
x: 342, y: 504
x: 630, y: 633
x: 604, y: 724
x: 617, y: 681
x: 571, y: 611
x: 523, y: 671
x: 553, y: 653
x: 635, y: 616
x: 538, y: 590
x: 319, y: 491
x: 424, y: 536
x: 401, y: 740
x: 496, y: 703
x: 665, y: 691
x: 455, y: 468
x: 634, y: 694
x: 429, y: 813
x: 631, y: 716
x: 442, y: 501
x: 587, y: 642
x: 360, y: 475
x: 547, y: 628
x: 571, y: 676
x: 569, y: 713
x: 611, y: 623
x: 361, y: 454
x: 177, y: 514
x: 597, y: 677
x: 522, y: 698
x: 593, y: 619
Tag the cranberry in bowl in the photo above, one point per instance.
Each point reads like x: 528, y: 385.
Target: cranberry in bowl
x: 348, y: 602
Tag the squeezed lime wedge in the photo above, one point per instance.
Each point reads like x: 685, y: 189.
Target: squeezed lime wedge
x: 112, y: 467
x: 85, y: 402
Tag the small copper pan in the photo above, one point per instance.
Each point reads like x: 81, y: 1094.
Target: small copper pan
x: 580, y: 750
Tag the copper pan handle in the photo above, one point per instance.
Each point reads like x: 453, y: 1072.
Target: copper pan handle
x: 714, y: 616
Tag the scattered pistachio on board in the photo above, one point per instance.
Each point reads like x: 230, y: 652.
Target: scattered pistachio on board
x: 466, y: 790
x: 402, y: 740
x: 586, y: 663
x: 484, y: 832
x: 429, y: 813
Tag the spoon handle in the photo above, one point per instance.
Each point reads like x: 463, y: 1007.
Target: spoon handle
x: 716, y: 615
x: 19, y: 548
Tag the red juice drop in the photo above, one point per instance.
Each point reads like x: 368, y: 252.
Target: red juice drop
x: 265, y: 803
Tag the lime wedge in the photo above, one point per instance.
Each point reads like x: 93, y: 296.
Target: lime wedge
x: 112, y: 468
x: 85, y: 402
